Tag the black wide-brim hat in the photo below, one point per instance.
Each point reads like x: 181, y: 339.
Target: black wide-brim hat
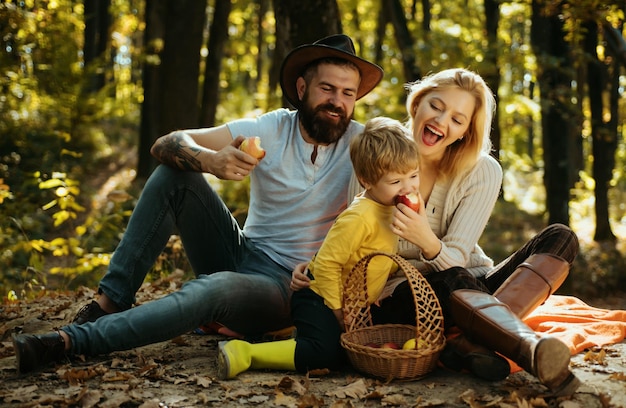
x: 334, y: 46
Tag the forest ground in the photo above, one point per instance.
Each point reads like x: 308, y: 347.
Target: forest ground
x: 182, y: 372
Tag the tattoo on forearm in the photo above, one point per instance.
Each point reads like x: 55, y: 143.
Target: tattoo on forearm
x: 173, y: 151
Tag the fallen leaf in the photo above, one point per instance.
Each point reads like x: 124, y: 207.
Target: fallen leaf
x: 113, y: 376
x: 115, y: 401
x: 342, y: 404
x: 258, y: 399
x: 539, y: 402
x: 288, y: 384
x: 208, y: 399
x: 320, y: 372
x: 202, y: 381
x: 596, y: 358
x: 283, y: 400
x: 310, y: 401
x: 79, y: 375
x: 394, y: 400
x: 90, y: 398
x: 430, y: 403
x: 153, y: 403
x: 356, y: 390
x: 569, y: 404
x: 21, y: 394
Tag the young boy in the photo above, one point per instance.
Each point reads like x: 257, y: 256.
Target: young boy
x: 385, y: 161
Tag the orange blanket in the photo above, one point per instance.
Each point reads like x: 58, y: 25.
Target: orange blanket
x: 577, y: 324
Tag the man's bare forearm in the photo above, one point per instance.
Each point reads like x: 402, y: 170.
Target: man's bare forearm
x: 178, y: 150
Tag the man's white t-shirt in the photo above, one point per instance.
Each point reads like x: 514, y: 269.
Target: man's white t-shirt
x: 294, y: 202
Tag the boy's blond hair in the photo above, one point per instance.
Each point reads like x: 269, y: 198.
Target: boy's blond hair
x: 385, y: 145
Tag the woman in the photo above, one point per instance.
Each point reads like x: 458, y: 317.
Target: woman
x: 450, y: 117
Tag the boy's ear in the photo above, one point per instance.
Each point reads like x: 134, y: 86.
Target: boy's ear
x: 363, y: 184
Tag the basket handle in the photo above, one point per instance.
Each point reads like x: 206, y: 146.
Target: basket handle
x: 356, y: 308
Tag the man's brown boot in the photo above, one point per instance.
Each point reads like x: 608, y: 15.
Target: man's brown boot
x: 35, y: 351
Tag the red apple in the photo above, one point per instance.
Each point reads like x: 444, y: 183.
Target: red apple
x: 252, y: 146
x: 390, y: 345
x: 411, y: 200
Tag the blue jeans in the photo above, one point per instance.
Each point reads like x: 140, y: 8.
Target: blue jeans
x: 236, y: 285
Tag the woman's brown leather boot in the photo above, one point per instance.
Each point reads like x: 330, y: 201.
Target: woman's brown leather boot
x: 532, y: 283
x: 486, y: 320
x: 461, y: 354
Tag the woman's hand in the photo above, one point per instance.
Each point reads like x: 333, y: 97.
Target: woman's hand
x: 299, y: 279
x: 413, y: 226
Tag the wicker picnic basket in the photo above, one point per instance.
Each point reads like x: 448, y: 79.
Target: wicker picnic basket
x: 361, y: 334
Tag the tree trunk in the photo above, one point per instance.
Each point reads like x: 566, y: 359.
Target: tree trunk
x: 96, y: 36
x: 427, y: 17
x: 282, y: 46
x: 260, y: 43
x: 604, y: 134
x: 218, y: 35
x: 300, y: 22
x: 554, y: 78
x: 180, y: 64
x: 150, y: 113
x: 381, y: 30
x: 492, y: 76
x: 406, y: 44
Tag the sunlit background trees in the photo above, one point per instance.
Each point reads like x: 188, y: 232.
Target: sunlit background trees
x: 86, y: 87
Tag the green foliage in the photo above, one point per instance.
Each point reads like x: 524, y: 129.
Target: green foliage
x: 55, y: 138
x: 49, y: 146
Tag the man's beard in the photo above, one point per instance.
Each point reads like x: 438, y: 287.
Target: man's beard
x: 320, y: 129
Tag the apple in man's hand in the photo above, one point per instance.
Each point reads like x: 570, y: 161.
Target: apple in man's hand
x: 411, y: 200
x: 252, y: 146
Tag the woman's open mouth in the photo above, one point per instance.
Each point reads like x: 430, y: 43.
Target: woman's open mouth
x: 430, y: 136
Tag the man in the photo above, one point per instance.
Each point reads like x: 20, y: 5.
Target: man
x: 243, y: 276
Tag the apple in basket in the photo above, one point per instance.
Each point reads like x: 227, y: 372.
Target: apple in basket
x: 390, y: 345
x: 414, y: 344
x: 411, y: 200
x: 252, y: 146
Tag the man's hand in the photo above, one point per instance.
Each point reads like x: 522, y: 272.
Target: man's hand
x: 230, y: 163
x: 299, y: 280
x: 211, y: 150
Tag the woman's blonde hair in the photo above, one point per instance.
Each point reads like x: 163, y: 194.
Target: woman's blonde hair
x: 385, y: 145
x: 463, y: 154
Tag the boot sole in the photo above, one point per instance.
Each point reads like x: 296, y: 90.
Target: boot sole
x: 19, y: 349
x: 223, y: 366
x: 552, y: 358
